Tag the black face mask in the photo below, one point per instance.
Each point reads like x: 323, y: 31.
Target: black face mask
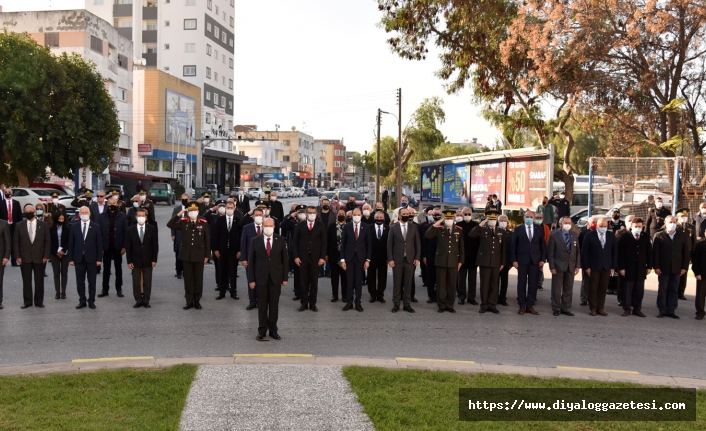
x: 113, y: 208
x: 406, y: 218
x: 437, y: 217
x: 351, y: 204
x: 341, y: 218
x: 616, y: 217
x: 184, y: 202
x: 29, y: 215
x: 8, y: 196
x: 325, y: 207
x: 379, y: 222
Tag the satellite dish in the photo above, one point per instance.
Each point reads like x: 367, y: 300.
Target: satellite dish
x: 294, y: 129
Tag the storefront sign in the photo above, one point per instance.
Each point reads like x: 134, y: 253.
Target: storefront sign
x: 144, y: 149
x: 526, y: 182
x: 486, y: 179
x: 431, y: 184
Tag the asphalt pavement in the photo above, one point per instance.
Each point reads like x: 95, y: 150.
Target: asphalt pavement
x: 60, y: 333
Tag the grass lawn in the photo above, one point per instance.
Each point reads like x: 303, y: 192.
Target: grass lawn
x: 428, y: 400
x: 124, y: 399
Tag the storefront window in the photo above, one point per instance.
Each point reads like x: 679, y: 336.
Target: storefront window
x: 166, y: 165
x: 152, y: 165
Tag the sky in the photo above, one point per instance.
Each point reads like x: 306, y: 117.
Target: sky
x: 323, y: 66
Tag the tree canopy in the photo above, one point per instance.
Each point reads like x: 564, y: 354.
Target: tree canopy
x: 55, y: 112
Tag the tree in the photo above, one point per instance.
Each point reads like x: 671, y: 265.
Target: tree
x: 55, y: 112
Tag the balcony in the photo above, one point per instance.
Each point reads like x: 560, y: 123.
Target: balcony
x: 125, y: 32
x: 149, y: 36
x: 149, y: 13
x: 112, y: 71
x: 122, y: 10
x: 125, y: 142
x: 151, y: 58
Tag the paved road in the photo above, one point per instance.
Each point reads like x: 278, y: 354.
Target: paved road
x: 60, y: 333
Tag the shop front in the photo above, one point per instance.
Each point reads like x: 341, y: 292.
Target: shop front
x: 222, y: 168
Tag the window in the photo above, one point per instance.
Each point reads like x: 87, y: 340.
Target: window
x: 208, y: 95
x: 166, y: 46
x: 208, y: 72
x: 190, y: 47
x: 97, y: 1
x: 189, y: 24
x: 152, y: 50
x: 208, y: 49
x: 122, y: 61
x: 224, y: 80
x: 123, y: 126
x: 225, y: 37
x: 215, y: 51
x: 231, y: 21
x: 151, y: 26
x: 223, y: 101
x: 208, y: 27
x: 122, y: 94
x: 230, y: 62
x: 230, y: 105
x: 166, y: 23
x: 230, y: 125
x: 285, y: 158
x: 152, y: 165
x: 126, y: 24
x: 208, y: 118
x: 285, y: 142
x: 191, y: 2
x: 231, y: 2
x: 166, y: 67
x: 96, y: 44
x: 209, y: 4
x: 216, y: 31
x: 224, y: 16
x: 51, y: 40
x: 231, y: 43
x: 215, y: 76
x: 224, y: 59
x: 189, y: 70
x: 216, y: 10
x: 230, y: 84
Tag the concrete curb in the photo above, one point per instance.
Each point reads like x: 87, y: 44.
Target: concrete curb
x: 87, y: 365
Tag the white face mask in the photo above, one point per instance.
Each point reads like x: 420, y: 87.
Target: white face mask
x: 671, y: 227
x: 430, y: 219
x: 311, y: 217
x: 628, y: 224
x: 221, y: 210
x: 636, y: 230
x: 56, y: 202
x: 143, y: 198
x: 268, y: 230
x: 356, y: 219
x: 492, y: 223
x: 703, y: 210
x: 566, y: 227
x: 193, y: 215
x: 240, y: 192
x: 85, y: 217
x: 301, y: 216
x: 658, y: 204
x: 258, y: 220
x: 273, y: 198
x: 266, y: 213
x: 502, y: 224
x: 683, y: 220
x: 366, y: 213
x: 230, y: 213
x: 459, y: 219
x: 562, y: 196
x: 448, y: 223
x: 467, y: 218
x: 141, y: 220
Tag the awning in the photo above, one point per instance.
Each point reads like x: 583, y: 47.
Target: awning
x: 234, y: 158
x: 133, y: 175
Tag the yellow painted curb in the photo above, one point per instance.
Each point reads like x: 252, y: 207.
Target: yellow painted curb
x: 126, y: 358
x: 598, y: 370
x: 433, y: 360
x: 274, y: 355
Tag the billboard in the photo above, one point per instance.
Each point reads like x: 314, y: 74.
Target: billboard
x: 455, y: 188
x: 526, y: 181
x: 431, y: 184
x: 486, y: 179
x: 180, y: 119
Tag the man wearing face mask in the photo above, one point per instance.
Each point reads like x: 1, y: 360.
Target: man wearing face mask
x: 176, y: 235
x: 504, y: 225
x: 205, y: 203
x: 84, y: 199
x: 297, y: 215
x: 599, y: 256
x: 564, y: 259
x: 540, y: 224
x: 194, y: 251
x: 324, y: 212
x: 689, y: 230
x: 469, y: 270
x: 98, y: 207
x: 449, y: 257
x: 212, y: 215
x: 634, y: 264
x: 620, y: 285
x: 351, y: 205
x: 404, y: 203
x: 491, y: 259
x: 427, y: 217
x: 403, y: 254
x: 368, y: 215
x: 429, y: 247
x: 670, y: 259
x: 615, y: 225
x: 32, y: 245
x: 309, y: 249
x: 377, y: 271
x: 380, y: 208
x: 121, y: 204
x: 142, y: 246
x: 250, y: 232
x: 54, y: 207
x: 562, y: 205
x: 699, y: 221
x: 11, y: 212
x: 85, y: 254
x: 276, y: 209
x: 334, y: 233
x: 242, y: 202
x: 656, y: 217
x: 528, y: 252
x: 591, y: 225
x: 547, y: 211
x: 227, y: 250
x: 356, y: 252
x: 113, y: 225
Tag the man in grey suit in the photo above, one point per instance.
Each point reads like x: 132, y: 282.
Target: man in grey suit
x: 32, y: 245
x: 5, y: 247
x: 404, y: 249
x: 564, y: 260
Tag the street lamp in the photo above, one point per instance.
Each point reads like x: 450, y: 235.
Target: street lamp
x: 398, y: 183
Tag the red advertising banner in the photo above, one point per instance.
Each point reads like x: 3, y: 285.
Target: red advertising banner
x: 486, y: 179
x: 245, y: 177
x: 305, y: 175
x: 526, y: 182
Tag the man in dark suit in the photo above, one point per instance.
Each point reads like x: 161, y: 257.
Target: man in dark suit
x: 251, y: 231
x: 276, y: 209
x: 5, y: 251
x: 528, y: 252
x: 634, y: 264
x: 309, y: 249
x: 268, y: 271
x: 178, y: 265
x: 113, y: 224
x: 385, y: 199
x: 333, y: 256
x: 356, y: 252
x: 564, y: 259
x: 377, y: 271
x: 689, y: 229
x: 142, y: 246
x: 429, y: 246
x: 469, y: 269
x: 227, y: 249
x: 98, y: 207
x: 59, y: 233
x: 591, y: 225
x: 670, y: 258
x: 404, y: 249
x: 85, y: 254
x: 242, y: 201
x: 11, y: 212
x: 698, y: 265
x: 32, y: 246
x: 599, y: 257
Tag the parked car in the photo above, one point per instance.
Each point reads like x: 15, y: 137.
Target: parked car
x: 33, y: 196
x: 328, y: 195
x: 256, y: 193
x: 120, y: 188
x: 212, y: 189
x: 64, y: 189
x: 161, y: 192
x: 312, y: 192
x: 344, y: 195
x: 281, y: 192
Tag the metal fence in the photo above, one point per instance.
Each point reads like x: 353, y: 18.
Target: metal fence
x: 631, y: 184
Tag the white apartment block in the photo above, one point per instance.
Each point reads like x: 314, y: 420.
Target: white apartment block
x: 190, y: 39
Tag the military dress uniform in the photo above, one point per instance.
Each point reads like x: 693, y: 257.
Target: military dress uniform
x: 203, y: 206
x: 448, y: 258
x: 53, y: 209
x: 491, y: 256
x: 690, y: 230
x: 84, y: 201
x: 149, y: 206
x: 194, y: 249
x: 121, y: 204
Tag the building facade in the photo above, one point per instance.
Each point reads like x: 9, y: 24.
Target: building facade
x: 335, y: 159
x: 264, y: 161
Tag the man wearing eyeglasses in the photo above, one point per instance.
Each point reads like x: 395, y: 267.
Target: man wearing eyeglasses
x: 98, y: 207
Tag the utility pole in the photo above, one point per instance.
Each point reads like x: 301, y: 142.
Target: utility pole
x: 377, y: 168
x: 398, y: 185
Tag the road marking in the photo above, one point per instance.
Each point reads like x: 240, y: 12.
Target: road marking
x: 274, y: 355
x: 125, y: 358
x: 598, y: 370
x: 434, y: 360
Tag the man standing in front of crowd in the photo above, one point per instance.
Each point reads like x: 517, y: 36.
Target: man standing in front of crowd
x: 591, y: 225
x: 670, y: 258
x: 32, y: 246
x: 250, y: 231
x: 564, y: 260
x: 98, y: 207
x: 562, y: 205
x: 547, y: 211
x: 491, y: 259
x: 176, y: 236
x: 5, y: 247
x: 599, y: 256
x: 634, y: 264
x: 690, y: 231
x: 377, y: 271
x: 404, y: 250
x: 194, y: 252
x: 448, y: 259
x: 528, y: 252
x: 113, y: 226
x: 656, y: 217
x: 142, y: 246
x: 11, y: 212
x: 228, y: 251
x: 276, y: 209
x: 356, y: 252
x: 469, y: 269
x: 243, y: 202
x: 698, y: 265
x: 309, y: 244
x: 85, y: 254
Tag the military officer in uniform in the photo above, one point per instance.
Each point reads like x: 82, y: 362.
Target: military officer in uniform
x: 491, y: 259
x: 121, y: 204
x: 194, y: 251
x: 149, y: 206
x: 205, y: 203
x: 83, y: 200
x: 655, y: 217
x: 448, y: 259
x: 690, y: 231
x: 54, y: 207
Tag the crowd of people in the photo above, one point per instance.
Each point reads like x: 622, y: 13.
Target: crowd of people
x: 354, y: 246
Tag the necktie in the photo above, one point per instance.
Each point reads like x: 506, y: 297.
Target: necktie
x: 356, y: 231
x: 31, y: 232
x: 404, y: 231
x: 637, y: 237
x: 379, y: 233
x: 311, y: 226
x: 142, y: 233
x: 269, y: 248
x: 258, y: 230
x: 567, y: 241
x: 229, y: 224
x: 602, y: 241
x: 529, y: 233
x: 9, y: 211
x: 84, y: 231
